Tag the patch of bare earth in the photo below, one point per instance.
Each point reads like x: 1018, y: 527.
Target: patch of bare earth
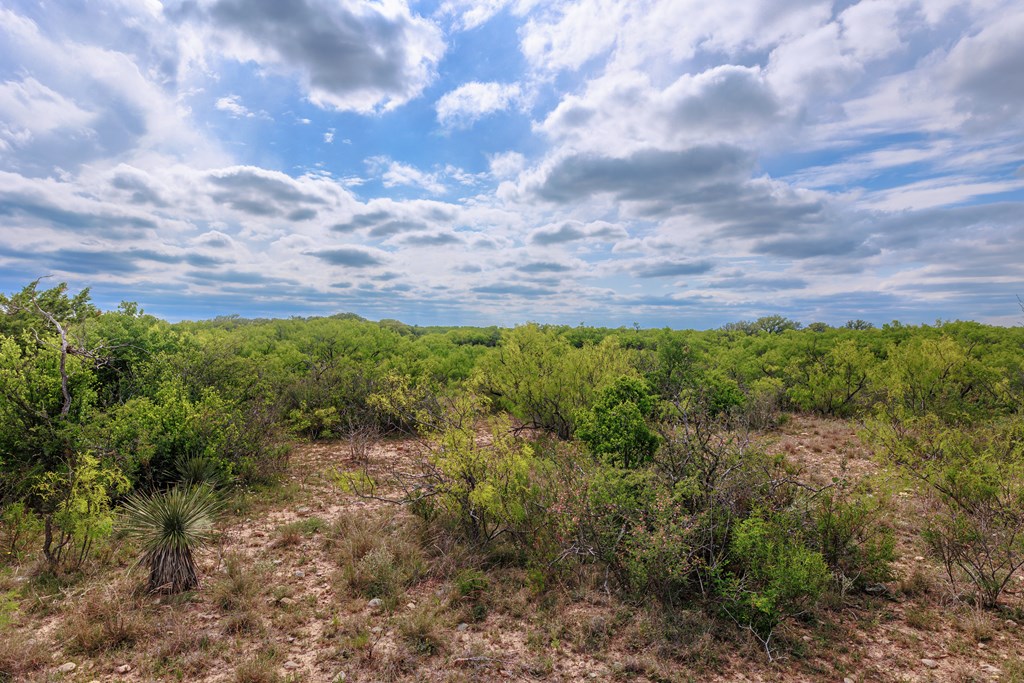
x: 277, y: 605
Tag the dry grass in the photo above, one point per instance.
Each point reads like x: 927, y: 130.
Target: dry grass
x: 239, y: 586
x: 183, y: 651
x: 421, y: 629
x: 298, y: 565
x: 21, y: 655
x: 104, y: 619
x: 376, y: 556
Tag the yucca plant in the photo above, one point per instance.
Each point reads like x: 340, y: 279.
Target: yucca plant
x: 198, y: 470
x: 171, y: 525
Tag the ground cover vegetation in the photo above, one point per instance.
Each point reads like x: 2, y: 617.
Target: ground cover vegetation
x: 636, y: 493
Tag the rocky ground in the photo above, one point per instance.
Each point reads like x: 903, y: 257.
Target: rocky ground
x: 284, y: 600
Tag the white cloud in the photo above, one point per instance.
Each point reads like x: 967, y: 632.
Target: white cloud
x: 348, y: 55
x: 232, y: 104
x: 507, y: 165
x: 623, y: 111
x: 394, y: 174
x: 29, y: 109
x: 471, y: 101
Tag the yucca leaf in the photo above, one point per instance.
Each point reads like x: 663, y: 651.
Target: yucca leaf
x: 170, y: 525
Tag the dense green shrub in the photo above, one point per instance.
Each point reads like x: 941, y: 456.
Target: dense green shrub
x: 543, y: 380
x: 773, y: 575
x: 615, y: 428
x: 846, y: 524
x: 974, y: 480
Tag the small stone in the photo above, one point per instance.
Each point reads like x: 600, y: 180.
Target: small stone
x: 290, y: 665
x: 67, y: 667
x: 592, y: 674
x: 848, y: 680
x: 339, y: 677
x: 462, y: 627
x: 123, y: 669
x: 302, y: 510
x: 299, y: 574
x: 375, y: 603
x: 807, y: 639
x: 1010, y: 623
x: 276, y: 562
x: 918, y: 558
x: 930, y: 663
x: 287, y: 602
x: 411, y: 605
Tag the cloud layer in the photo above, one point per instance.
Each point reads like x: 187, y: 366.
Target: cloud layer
x: 671, y: 162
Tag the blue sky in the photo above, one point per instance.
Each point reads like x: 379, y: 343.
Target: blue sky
x: 668, y: 162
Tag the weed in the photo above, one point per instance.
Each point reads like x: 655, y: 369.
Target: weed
x: 420, y: 629
x: 917, y: 584
x: 291, y: 534
x: 921, y: 618
x: 1013, y: 671
x: 377, y: 562
x: 238, y: 586
x: 245, y: 621
x: 104, y: 620
x: 21, y: 655
x: 262, y: 668
x: 183, y: 652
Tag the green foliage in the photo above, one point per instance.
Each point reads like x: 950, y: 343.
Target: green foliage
x: 773, y: 576
x: 171, y: 526
x: 314, y: 423
x: 933, y: 376
x: 545, y: 381
x: 19, y: 527
x: 489, y: 488
x: 78, y: 499
x: 974, y: 478
x: 835, y: 382
x: 156, y: 436
x: 615, y: 428
x: 847, y: 526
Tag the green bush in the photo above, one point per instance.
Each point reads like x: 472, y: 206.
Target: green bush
x: 846, y: 525
x: 543, y: 380
x: 773, y: 575
x: 486, y: 488
x: 974, y: 479
x: 615, y: 428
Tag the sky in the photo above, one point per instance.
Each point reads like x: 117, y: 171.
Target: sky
x: 671, y: 163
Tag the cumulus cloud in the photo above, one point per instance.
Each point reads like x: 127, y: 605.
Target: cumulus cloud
x: 670, y: 268
x: 351, y: 257
x: 571, y: 231
x: 651, y: 175
x: 471, y: 101
x: 623, y: 111
x: 395, y: 174
x: 232, y: 104
x: 349, y: 55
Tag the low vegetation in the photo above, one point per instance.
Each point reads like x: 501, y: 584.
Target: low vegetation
x: 375, y: 501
